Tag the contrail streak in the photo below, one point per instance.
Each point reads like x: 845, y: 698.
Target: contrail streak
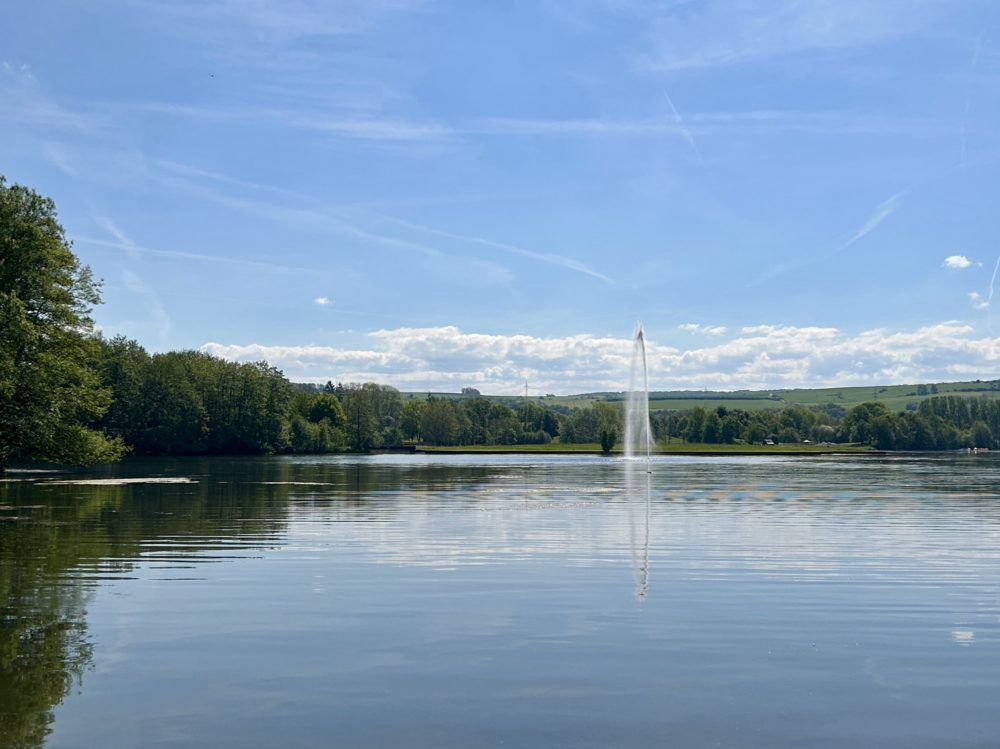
x: 180, y: 255
x: 545, y: 257
x: 884, y: 210
x: 968, y: 92
x: 993, y: 282
x: 680, y: 125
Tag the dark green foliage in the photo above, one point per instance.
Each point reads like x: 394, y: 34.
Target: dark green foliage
x: 174, y: 419
x: 187, y: 402
x: 326, y: 406
x: 316, y: 423
x: 410, y: 418
x: 314, y: 437
x: 534, y: 418
x: 586, y: 424
x: 940, y: 423
x: 49, y: 388
x: 540, y: 437
x: 491, y: 423
x: 442, y: 422
x: 607, y: 440
x: 372, y: 415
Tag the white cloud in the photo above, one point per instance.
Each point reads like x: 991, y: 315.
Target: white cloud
x: 321, y: 301
x: 697, y: 328
x: 757, y: 357
x: 977, y: 300
x: 957, y: 261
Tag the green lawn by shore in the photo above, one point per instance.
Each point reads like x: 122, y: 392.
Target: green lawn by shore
x: 676, y: 448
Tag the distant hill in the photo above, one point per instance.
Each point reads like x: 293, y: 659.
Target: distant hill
x: 896, y: 397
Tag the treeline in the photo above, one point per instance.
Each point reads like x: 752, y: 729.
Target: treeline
x: 944, y: 422
x: 191, y: 403
x: 187, y: 402
x: 731, y: 425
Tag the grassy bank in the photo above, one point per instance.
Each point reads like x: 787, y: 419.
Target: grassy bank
x: 676, y: 448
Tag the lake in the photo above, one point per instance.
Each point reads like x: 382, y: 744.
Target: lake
x: 481, y: 601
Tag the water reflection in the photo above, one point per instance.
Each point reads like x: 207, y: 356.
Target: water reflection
x: 638, y: 497
x: 59, y: 538
x: 375, y: 590
x: 43, y: 638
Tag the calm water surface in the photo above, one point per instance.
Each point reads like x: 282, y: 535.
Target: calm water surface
x: 516, y: 601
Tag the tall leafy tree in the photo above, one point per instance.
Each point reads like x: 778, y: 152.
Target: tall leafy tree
x: 49, y: 388
x: 361, y: 421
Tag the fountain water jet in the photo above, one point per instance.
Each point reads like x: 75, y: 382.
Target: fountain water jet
x: 638, y: 439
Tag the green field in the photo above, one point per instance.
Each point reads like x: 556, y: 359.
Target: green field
x: 896, y: 397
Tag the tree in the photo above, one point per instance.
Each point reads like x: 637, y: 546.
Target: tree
x: 409, y: 418
x: 712, y: 430
x: 884, y: 433
x: 48, y: 387
x: 439, y: 424
x: 586, y: 424
x: 326, y: 406
x: 361, y: 420
x: 858, y: 425
x: 123, y: 366
x: 980, y: 435
x: 174, y: 418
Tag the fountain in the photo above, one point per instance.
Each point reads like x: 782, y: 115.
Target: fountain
x: 638, y: 438
x: 637, y: 443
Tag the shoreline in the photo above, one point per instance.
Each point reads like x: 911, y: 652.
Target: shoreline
x: 619, y: 453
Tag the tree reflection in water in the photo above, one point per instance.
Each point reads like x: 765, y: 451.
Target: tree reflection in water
x: 43, y: 632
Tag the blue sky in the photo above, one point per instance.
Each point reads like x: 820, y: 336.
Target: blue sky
x: 439, y: 194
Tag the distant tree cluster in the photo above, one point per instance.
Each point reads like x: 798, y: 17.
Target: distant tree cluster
x: 731, y: 425
x: 942, y: 422
x: 477, y: 421
x: 186, y: 402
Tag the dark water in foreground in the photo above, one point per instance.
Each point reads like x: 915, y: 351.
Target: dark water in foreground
x: 503, y: 600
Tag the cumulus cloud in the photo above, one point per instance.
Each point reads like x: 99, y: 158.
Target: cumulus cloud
x: 697, y: 328
x: 757, y: 357
x: 957, y: 261
x: 321, y: 301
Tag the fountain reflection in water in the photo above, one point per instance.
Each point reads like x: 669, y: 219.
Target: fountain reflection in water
x: 637, y: 444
